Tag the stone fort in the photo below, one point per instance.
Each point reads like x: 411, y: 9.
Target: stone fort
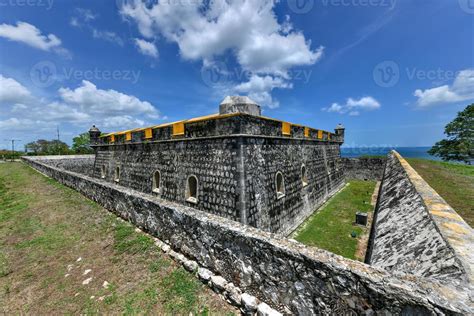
x: 221, y: 193
x: 237, y: 164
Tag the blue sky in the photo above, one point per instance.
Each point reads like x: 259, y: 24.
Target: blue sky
x: 394, y: 72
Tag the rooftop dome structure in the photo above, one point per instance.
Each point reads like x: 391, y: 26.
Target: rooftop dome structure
x: 239, y: 104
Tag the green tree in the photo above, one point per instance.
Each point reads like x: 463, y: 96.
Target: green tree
x: 48, y: 147
x: 57, y: 147
x: 82, y: 144
x: 459, y: 144
x: 33, y: 147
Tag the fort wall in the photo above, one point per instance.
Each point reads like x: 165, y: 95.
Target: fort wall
x: 416, y: 232
x: 364, y: 168
x: 213, y: 161
x: 235, y: 158
x: 289, y: 276
x: 83, y: 164
x: 265, y: 157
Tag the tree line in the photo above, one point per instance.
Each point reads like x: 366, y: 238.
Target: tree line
x: 80, y: 145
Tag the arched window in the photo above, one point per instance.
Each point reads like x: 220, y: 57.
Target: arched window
x: 157, y: 182
x: 103, y: 172
x: 117, y: 174
x: 192, y: 189
x: 280, y: 185
x: 304, y: 177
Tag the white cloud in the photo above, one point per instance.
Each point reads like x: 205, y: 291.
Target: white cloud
x: 93, y: 100
x: 353, y: 106
x: 123, y: 122
x: 80, y: 107
x: 86, y: 14
x: 107, y: 36
x: 84, y: 18
x: 248, y: 29
x: 365, y: 103
x: 30, y: 35
x: 60, y: 112
x: 12, y: 91
x: 12, y: 123
x: 259, y: 89
x: 462, y: 89
x: 146, y: 48
x: 81, y: 17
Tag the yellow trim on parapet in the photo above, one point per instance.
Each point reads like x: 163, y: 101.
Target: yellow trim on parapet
x: 178, y: 129
x: 148, y: 133
x: 286, y: 128
x: 207, y: 118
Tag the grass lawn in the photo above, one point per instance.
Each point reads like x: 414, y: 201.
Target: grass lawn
x: 61, y: 253
x: 454, y: 182
x: 331, y: 227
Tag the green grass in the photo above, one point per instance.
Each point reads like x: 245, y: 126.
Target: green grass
x: 4, y: 267
x: 127, y: 240
x: 331, y: 227
x: 454, y: 182
x: 179, y: 292
x: 46, y: 227
x: 51, y: 239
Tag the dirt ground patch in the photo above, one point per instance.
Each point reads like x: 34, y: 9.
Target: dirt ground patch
x: 61, y: 253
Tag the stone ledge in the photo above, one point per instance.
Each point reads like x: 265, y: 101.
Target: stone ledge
x: 453, y: 228
x: 289, y: 276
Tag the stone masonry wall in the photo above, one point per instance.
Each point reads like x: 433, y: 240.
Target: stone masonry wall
x: 364, y: 168
x: 236, y: 175
x: 212, y: 161
x: 264, y: 157
x: 288, y: 275
x: 83, y: 164
x: 406, y: 239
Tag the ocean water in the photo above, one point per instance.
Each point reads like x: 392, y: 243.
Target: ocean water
x: 407, y: 152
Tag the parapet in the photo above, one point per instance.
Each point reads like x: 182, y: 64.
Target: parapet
x: 416, y: 232
x: 238, y: 116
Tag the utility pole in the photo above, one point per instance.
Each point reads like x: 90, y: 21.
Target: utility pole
x: 59, y: 148
x: 13, y: 146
